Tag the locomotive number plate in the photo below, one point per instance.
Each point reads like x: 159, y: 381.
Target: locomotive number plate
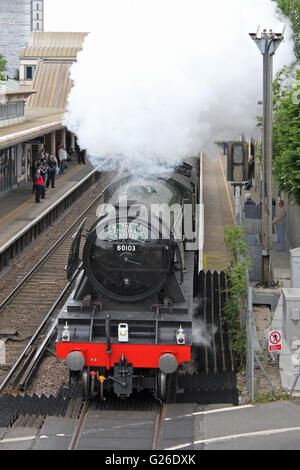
x: 123, y: 231
x: 122, y: 248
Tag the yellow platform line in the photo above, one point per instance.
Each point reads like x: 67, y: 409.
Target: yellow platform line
x: 210, y: 261
x: 217, y: 256
x: 26, y: 203
x: 227, y: 190
x: 29, y: 201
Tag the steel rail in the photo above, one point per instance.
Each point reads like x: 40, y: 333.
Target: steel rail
x: 43, y: 346
x: 39, y: 352
x: 45, y: 256
x: 79, y: 426
x: 158, y: 427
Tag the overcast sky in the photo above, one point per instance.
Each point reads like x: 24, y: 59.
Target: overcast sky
x: 82, y: 15
x: 69, y: 15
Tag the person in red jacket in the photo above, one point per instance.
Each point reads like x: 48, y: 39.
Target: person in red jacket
x: 40, y: 186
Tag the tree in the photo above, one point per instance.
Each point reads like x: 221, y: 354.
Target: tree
x: 291, y: 9
x: 286, y: 132
x: 2, y: 67
x: 286, y: 118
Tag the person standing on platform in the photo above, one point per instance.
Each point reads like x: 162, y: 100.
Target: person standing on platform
x: 57, y: 153
x: 62, y: 154
x: 279, y: 221
x: 81, y: 157
x: 250, y: 172
x: 53, y: 157
x: 52, y: 171
x: 249, y: 200
x: 42, y: 155
x: 44, y: 171
x: 40, y: 186
x: 34, y: 167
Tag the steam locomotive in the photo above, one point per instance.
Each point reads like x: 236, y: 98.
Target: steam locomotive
x: 128, y: 322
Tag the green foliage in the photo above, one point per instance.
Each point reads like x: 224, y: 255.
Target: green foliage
x: 2, y: 67
x: 265, y: 397
x: 286, y: 132
x: 236, y: 294
x: 291, y: 9
x: 234, y: 240
x: 286, y: 118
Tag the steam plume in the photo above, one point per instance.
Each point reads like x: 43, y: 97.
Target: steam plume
x: 159, y: 80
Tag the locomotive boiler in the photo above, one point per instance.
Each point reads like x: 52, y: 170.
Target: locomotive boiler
x: 128, y: 322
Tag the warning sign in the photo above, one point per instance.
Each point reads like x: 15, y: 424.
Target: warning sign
x: 275, y: 340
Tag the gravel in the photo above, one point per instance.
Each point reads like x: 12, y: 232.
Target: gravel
x: 50, y: 376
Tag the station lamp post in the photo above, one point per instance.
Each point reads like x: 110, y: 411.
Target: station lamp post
x: 267, y: 42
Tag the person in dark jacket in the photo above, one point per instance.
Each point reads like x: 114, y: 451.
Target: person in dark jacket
x: 44, y: 171
x: 81, y: 156
x: 249, y: 200
x: 34, y: 167
x: 52, y: 164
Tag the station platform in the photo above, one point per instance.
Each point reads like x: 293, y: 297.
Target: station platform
x: 280, y: 261
x: 218, y: 213
x: 18, y: 207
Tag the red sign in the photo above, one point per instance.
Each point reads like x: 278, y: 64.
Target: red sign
x: 275, y: 341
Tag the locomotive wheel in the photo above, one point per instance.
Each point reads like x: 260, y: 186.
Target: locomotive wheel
x: 171, y: 388
x: 167, y: 386
x: 88, y: 384
x: 161, y: 385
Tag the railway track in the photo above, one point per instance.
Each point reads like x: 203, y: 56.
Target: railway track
x: 144, y: 428
x: 141, y: 426
x: 39, y: 297
x: 27, y: 312
x: 140, y: 423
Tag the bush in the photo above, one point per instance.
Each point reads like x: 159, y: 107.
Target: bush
x: 236, y: 293
x: 286, y: 132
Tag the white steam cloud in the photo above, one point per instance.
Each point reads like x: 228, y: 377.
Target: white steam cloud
x: 159, y: 80
x: 202, y: 333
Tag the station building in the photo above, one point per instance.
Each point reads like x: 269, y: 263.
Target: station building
x: 17, y: 19
x: 32, y: 110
